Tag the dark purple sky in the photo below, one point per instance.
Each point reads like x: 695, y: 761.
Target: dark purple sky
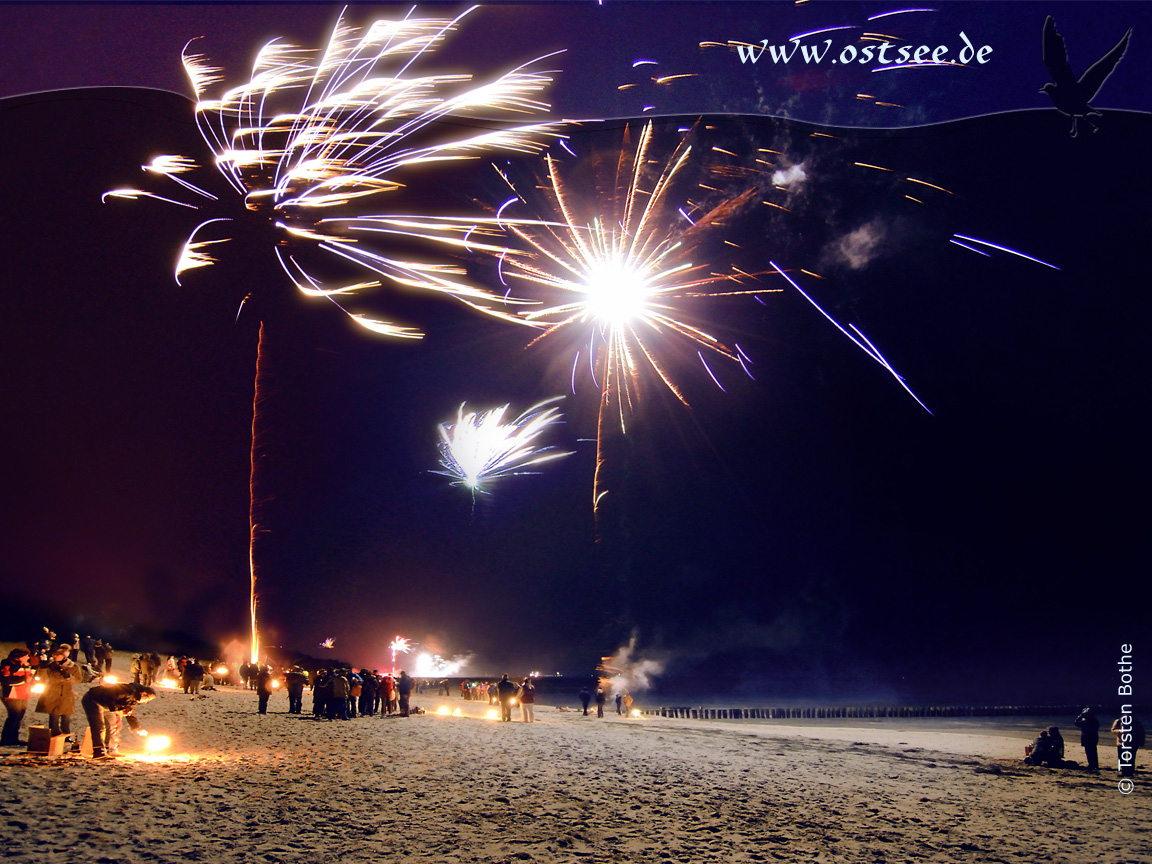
x: 810, y: 531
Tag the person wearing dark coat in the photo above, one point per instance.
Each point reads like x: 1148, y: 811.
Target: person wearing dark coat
x: 194, y: 675
x: 321, y: 694
x: 88, y: 646
x: 295, y: 680
x: 505, y: 693
x: 368, y: 689
x: 58, y: 701
x: 1089, y: 737
x: 104, y: 705
x: 104, y: 655
x: 404, y: 687
x: 585, y: 698
x: 264, y: 687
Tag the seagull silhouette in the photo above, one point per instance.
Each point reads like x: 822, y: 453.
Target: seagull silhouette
x: 1071, y: 97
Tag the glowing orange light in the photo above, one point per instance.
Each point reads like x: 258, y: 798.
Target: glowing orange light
x: 156, y: 743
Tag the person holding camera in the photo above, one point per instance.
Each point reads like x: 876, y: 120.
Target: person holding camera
x: 58, y: 701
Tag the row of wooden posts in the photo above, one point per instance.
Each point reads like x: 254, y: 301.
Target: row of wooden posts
x: 847, y: 711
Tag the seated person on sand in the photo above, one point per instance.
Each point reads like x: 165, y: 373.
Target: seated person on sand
x: 1043, y: 752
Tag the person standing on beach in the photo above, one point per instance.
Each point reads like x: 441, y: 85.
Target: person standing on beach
x: 321, y: 694
x: 585, y: 699
x: 505, y: 694
x: 263, y: 688
x: 527, y: 700
x: 104, y: 656
x: 404, y: 686
x: 1089, y: 737
x: 195, y: 672
x: 58, y: 701
x: 600, y: 699
x: 104, y: 705
x: 88, y: 646
x: 16, y: 681
x: 295, y: 680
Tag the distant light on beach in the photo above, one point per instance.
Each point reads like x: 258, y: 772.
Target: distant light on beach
x: 221, y: 670
x: 275, y: 684
x: 635, y: 712
x: 492, y: 714
x: 443, y: 709
x: 157, y: 742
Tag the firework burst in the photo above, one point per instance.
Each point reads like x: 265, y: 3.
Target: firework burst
x: 481, y: 446
x: 616, y: 275
x: 318, y: 145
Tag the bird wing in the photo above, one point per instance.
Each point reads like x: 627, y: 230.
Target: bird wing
x: 1092, y: 80
x: 1055, y: 55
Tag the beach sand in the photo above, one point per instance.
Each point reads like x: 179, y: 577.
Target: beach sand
x: 240, y: 787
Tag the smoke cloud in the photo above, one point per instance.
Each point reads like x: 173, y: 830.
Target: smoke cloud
x: 858, y: 248
x: 627, y: 673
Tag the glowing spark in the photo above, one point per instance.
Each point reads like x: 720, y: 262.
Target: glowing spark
x: 615, y: 274
x: 929, y: 185
x: 1005, y: 249
x: 37, y: 688
x: 330, y: 642
x: 818, y: 32
x: 862, y: 343
x: 111, y: 679
x: 899, y: 12
x: 155, y: 743
x: 636, y: 63
x: 970, y: 248
x: 481, y: 447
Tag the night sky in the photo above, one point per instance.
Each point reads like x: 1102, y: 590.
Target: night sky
x: 808, y: 532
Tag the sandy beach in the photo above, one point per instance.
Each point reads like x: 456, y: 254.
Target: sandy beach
x: 236, y: 786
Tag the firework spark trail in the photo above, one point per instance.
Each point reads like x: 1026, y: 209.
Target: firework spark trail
x: 615, y: 274
x: 318, y: 144
x: 481, y: 447
x: 859, y: 340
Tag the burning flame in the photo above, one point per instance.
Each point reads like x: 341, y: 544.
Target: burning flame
x: 221, y: 670
x: 168, y: 684
x: 111, y: 679
x: 37, y: 688
x: 156, y: 743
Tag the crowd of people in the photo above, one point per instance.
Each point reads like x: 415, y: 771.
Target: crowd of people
x: 1047, y: 748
